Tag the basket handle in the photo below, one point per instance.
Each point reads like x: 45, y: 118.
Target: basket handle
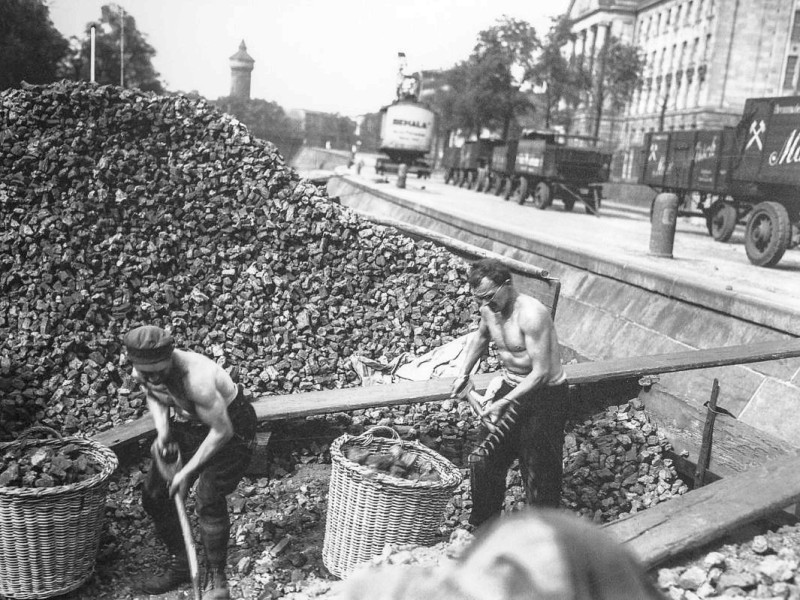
x: 366, y: 438
x: 40, y: 429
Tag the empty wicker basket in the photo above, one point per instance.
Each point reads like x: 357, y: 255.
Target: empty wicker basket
x: 49, y: 536
x: 368, y: 509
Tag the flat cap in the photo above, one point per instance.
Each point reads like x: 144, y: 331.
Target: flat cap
x: 148, y: 345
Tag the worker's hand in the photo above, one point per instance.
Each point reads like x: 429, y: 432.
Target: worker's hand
x: 459, y: 385
x: 167, y: 449
x: 179, y: 483
x: 495, y: 411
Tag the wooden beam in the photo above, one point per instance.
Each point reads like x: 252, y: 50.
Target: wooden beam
x: 581, y: 374
x: 709, y: 513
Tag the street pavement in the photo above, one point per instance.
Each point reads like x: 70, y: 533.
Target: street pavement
x: 620, y: 234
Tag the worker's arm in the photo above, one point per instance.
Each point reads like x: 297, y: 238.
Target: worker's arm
x: 477, y: 346
x: 212, y: 410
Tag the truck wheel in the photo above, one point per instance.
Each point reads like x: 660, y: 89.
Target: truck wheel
x: 768, y: 234
x: 542, y: 197
x: 476, y: 182
x: 508, y: 187
x: 721, y: 220
x: 521, y: 193
x: 488, y: 183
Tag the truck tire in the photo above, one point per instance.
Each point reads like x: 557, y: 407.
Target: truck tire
x: 508, y: 187
x: 477, y: 182
x: 542, y: 195
x: 721, y: 220
x: 768, y: 234
x: 521, y: 193
x: 497, y: 185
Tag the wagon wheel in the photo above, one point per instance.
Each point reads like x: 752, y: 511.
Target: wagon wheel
x: 721, y: 220
x: 768, y: 234
x: 508, y: 187
x: 542, y: 195
x: 477, y: 181
x: 521, y: 193
x: 489, y: 183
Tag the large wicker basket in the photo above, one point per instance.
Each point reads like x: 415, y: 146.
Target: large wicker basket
x: 367, y: 510
x: 49, y: 536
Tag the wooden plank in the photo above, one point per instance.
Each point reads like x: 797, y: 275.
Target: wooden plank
x: 340, y: 400
x: 709, y: 513
x: 737, y: 446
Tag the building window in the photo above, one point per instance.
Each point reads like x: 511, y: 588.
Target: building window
x: 678, y: 15
x: 788, y: 77
x: 699, y: 10
x: 688, y: 14
x: 796, y: 27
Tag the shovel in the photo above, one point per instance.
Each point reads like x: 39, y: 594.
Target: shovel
x: 169, y: 462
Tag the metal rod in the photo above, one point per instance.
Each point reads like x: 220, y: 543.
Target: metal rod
x: 91, y: 55
x: 704, y: 459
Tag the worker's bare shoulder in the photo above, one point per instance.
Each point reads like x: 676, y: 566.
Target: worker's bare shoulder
x: 532, y: 309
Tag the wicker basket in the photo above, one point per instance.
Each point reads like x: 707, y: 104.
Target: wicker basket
x: 367, y: 510
x: 49, y: 536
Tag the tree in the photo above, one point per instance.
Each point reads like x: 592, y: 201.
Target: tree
x: 266, y: 120
x: 498, y: 67
x: 136, y: 70
x: 561, y: 79
x: 30, y: 46
x: 620, y: 73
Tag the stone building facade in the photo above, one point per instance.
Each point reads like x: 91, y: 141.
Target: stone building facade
x: 703, y: 59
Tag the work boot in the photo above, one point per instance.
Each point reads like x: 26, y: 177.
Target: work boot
x: 216, y: 584
x: 175, y: 574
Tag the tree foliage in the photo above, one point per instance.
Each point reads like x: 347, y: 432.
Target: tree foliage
x: 483, y: 91
x: 30, y: 46
x: 266, y: 120
x: 619, y: 74
x: 136, y: 69
x: 562, y: 79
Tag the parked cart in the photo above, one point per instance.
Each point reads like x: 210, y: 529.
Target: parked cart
x: 749, y: 175
x: 543, y: 166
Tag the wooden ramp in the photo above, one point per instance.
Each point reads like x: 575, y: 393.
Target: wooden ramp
x: 709, y: 513
x: 587, y: 377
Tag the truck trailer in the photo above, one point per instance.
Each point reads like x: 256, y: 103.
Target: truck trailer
x: 748, y: 174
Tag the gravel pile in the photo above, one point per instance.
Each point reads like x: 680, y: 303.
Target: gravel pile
x: 119, y: 208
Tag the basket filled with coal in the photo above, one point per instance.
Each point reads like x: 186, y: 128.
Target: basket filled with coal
x: 383, y: 490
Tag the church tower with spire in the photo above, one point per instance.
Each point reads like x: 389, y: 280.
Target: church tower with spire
x: 241, y: 68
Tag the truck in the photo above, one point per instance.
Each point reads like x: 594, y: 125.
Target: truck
x: 748, y: 174
x: 542, y: 166
x: 406, y: 129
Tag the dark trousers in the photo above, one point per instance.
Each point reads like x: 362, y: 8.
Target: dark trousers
x: 217, y: 478
x: 537, y: 439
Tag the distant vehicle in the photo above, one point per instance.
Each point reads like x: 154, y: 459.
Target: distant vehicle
x: 420, y: 168
x: 542, y: 166
x: 749, y: 174
x: 407, y: 128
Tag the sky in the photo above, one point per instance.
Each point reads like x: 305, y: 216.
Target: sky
x: 336, y: 56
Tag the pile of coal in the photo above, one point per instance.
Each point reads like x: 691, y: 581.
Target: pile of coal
x: 120, y: 208
x: 395, y: 461
x: 30, y: 464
